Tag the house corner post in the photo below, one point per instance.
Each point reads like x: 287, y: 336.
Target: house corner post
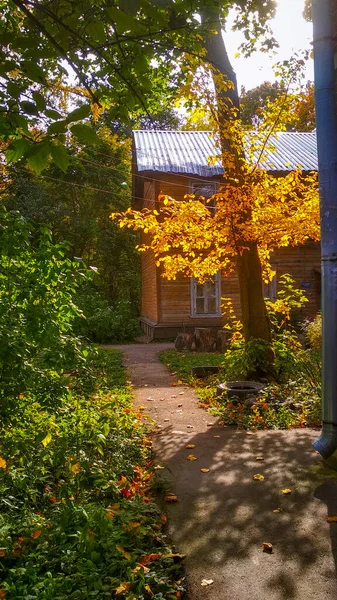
x: 326, y: 126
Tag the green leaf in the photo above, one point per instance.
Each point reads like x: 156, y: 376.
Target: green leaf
x: 96, y: 30
x: 13, y: 89
x: 60, y: 157
x: 123, y: 21
x: 17, y: 149
x: 38, y: 159
x: 57, y: 127
x: 53, y: 114
x: 131, y: 7
x: 79, y: 113
x: 85, y: 133
x: 39, y: 100
x: 29, y: 107
x: 33, y: 71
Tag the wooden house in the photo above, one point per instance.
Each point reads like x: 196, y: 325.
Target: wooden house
x: 176, y: 163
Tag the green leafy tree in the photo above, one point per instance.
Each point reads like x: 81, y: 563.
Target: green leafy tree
x: 125, y: 56
x: 37, y: 288
x: 300, y: 114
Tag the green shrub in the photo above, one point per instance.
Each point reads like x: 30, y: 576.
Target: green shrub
x: 37, y: 312
x: 104, y: 323
x: 313, y: 332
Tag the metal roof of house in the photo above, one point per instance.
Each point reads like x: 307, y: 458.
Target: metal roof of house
x: 189, y: 151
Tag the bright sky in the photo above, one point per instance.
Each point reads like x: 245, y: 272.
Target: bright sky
x: 292, y: 33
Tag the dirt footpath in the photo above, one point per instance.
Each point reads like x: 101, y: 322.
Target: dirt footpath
x: 223, y: 516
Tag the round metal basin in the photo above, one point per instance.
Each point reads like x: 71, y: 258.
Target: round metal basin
x: 240, y: 389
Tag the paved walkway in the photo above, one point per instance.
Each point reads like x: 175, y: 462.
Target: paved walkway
x: 223, y: 516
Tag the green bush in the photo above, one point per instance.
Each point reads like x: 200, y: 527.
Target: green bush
x: 104, y: 323
x: 313, y: 332
x: 37, y: 312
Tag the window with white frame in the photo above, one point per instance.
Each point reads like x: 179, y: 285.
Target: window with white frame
x: 205, y: 297
x: 204, y: 190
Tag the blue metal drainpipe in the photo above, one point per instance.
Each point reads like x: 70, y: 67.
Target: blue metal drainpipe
x: 326, y: 126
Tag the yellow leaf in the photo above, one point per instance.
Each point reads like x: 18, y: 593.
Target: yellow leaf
x: 124, y: 586
x: 190, y: 446
x: 3, y: 463
x: 286, y: 491
x: 76, y: 468
x: 331, y: 519
x: 204, y: 470
x: 126, y: 554
x: 191, y: 457
x: 47, y: 440
x: 258, y: 477
x: 148, y: 589
x: 216, y: 436
x: 276, y: 510
x: 179, y: 382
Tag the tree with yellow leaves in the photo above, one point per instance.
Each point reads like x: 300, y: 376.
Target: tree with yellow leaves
x: 256, y: 212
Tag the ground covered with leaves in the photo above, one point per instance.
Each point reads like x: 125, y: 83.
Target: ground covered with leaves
x: 291, y: 402
x: 77, y: 516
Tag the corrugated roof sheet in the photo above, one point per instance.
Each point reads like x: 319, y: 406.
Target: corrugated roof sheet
x: 189, y: 151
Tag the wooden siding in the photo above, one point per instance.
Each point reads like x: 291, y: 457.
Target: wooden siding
x: 149, y: 276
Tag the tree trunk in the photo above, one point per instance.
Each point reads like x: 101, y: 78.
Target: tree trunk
x: 254, y: 314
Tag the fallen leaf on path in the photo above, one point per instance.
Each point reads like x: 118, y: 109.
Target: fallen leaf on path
x: 210, y: 424
x: 166, y: 420
x: 175, y: 555
x: 173, y: 384
x: 190, y: 426
x: 181, y: 393
x: 258, y: 477
x: 286, y: 491
x: 259, y: 458
x: 331, y: 519
x: 171, y: 498
x: 204, y: 470
x: 158, y: 467
x: 174, y: 396
x: 206, y: 582
x: 179, y: 405
x: 190, y: 446
x: 191, y: 457
x: 267, y: 547
x: 179, y: 382
x: 249, y: 433
x: 216, y: 436
x: 149, y: 399
x: 277, y: 510
x: 141, y: 407
x: 163, y: 518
